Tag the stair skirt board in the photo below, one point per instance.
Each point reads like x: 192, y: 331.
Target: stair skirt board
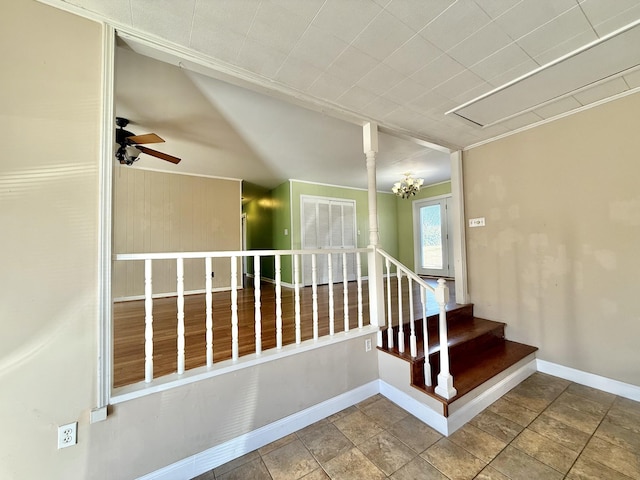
x: 393, y: 372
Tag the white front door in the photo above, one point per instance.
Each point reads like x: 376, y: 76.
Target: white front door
x: 432, y: 242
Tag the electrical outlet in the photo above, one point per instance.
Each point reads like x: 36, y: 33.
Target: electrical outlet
x: 67, y: 435
x: 476, y: 222
x: 367, y: 345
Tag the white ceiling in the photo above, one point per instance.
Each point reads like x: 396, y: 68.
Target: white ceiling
x: 400, y: 63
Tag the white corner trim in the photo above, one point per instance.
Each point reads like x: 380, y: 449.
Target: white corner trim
x: 213, y: 457
x: 605, y: 384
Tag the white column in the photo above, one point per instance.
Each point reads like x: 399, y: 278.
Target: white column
x: 296, y: 284
x: 234, y: 309
x: 376, y: 286
x: 278, y: 303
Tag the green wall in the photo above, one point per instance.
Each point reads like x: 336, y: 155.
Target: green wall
x: 271, y: 213
x: 404, y: 215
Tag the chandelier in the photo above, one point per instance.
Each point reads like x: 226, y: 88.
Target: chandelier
x: 408, y: 186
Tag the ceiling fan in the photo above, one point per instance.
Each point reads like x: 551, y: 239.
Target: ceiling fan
x: 131, y: 145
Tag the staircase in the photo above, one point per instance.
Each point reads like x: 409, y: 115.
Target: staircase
x: 478, y: 352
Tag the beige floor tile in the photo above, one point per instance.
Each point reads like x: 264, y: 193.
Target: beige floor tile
x: 353, y: 465
x: 312, y: 427
x: 603, y: 398
x: 630, y: 406
x: 454, y: 461
x: 585, y: 469
x: 357, y: 427
x: 490, y: 473
x: 418, y: 469
x: 277, y: 444
x: 496, y: 425
x: 614, y: 457
x: 478, y: 442
x: 255, y: 470
x: 387, y: 452
x: 582, y: 404
x: 414, y: 433
x: 317, y: 474
x: 290, y: 462
x: 384, y: 412
x: 227, y: 467
x: 514, y: 412
x: 370, y: 400
x: 581, y: 420
x: 517, y: 465
x: 560, y: 432
x: 547, y: 451
x: 624, y: 418
x: 618, y: 435
x: 326, y: 442
x: 533, y: 397
x: 342, y: 413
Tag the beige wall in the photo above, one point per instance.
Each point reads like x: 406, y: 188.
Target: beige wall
x: 49, y: 119
x: 49, y: 114
x: 558, y: 259
x: 164, y: 212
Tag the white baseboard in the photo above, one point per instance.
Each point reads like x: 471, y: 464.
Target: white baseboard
x: 447, y: 425
x: 172, y: 294
x: 221, y: 454
x: 621, y: 389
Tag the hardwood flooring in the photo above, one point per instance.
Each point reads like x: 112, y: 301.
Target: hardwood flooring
x: 128, y: 325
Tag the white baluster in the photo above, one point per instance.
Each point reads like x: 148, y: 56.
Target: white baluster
x: 359, y: 280
x: 345, y: 292
x: 296, y: 283
x: 413, y: 343
x: 314, y: 294
x: 208, y: 285
x: 148, y: 322
x: 390, y: 322
x: 445, y: 380
x: 234, y: 308
x: 425, y: 335
x: 278, y: 303
x: 180, y: 270
x: 400, y: 313
x: 331, y: 312
x: 258, y: 304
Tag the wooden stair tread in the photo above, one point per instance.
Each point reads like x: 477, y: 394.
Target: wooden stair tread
x: 459, y: 332
x: 494, y: 360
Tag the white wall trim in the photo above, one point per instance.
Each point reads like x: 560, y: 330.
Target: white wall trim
x: 105, y: 179
x: 225, y: 452
x: 605, y: 384
x: 458, y: 229
x: 187, y: 174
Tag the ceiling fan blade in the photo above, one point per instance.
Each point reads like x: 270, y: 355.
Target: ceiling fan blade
x: 157, y: 154
x: 146, y: 138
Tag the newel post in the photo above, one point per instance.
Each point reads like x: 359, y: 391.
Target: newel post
x: 445, y: 380
x: 376, y: 288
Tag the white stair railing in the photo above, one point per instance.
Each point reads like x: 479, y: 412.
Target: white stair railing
x: 444, y: 386
x: 380, y: 315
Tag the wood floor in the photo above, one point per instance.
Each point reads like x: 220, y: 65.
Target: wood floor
x: 128, y: 325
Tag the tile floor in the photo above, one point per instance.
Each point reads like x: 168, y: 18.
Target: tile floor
x: 545, y: 428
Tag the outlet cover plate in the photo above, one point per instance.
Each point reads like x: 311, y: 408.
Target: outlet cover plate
x: 67, y: 435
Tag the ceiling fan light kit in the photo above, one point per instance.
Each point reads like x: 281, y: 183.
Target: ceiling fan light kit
x: 131, y: 148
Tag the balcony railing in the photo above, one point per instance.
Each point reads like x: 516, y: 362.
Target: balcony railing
x: 335, y: 268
